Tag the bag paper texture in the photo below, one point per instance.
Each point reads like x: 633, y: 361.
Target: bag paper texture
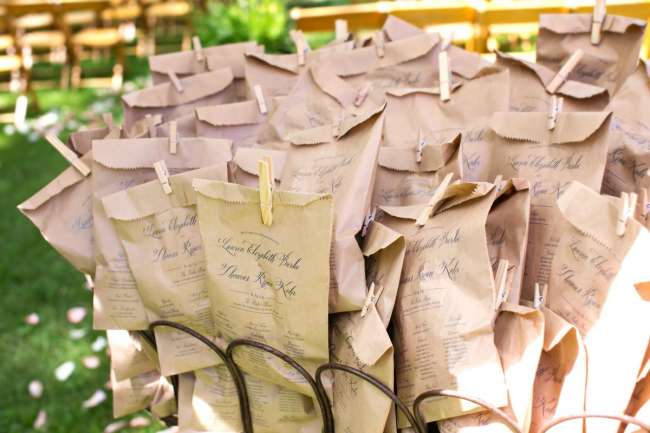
x: 128, y: 356
x: 147, y: 390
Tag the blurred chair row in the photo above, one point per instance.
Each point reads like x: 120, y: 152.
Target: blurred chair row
x: 61, y: 34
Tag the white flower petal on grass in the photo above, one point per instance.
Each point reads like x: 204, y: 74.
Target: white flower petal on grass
x: 32, y: 319
x: 96, y: 399
x: 76, y: 314
x: 40, y: 420
x: 35, y: 389
x: 77, y: 334
x: 115, y: 426
x: 139, y: 421
x: 64, y: 371
x: 91, y: 362
x: 169, y: 430
x: 99, y: 344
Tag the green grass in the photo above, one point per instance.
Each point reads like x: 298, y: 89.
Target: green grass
x: 34, y: 278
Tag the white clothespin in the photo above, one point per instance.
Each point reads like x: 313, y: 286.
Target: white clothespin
x: 645, y: 210
x: 539, y: 298
x: 151, y: 125
x: 163, y: 176
x: 363, y: 93
x: 261, y: 102
x: 175, y: 81
x: 444, y: 76
x: 301, y: 45
x: 555, y: 108
x: 500, y: 280
x: 173, y: 140
x: 68, y: 154
x: 420, y: 146
x: 434, y: 201
x: 564, y: 71
x: 266, y: 183
x: 198, y: 49
x: 341, y: 28
x: 379, y: 43
x: 597, y: 19
x: 626, y: 208
x: 371, y: 298
x: 367, y: 221
x: 498, y: 180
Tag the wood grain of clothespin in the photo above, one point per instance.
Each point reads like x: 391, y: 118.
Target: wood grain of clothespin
x: 259, y: 96
x: 645, y: 209
x: 341, y: 29
x: 430, y: 208
x: 597, y: 19
x: 163, y: 176
x: 68, y: 154
x: 497, y: 182
x: 266, y: 190
x: 555, y: 108
x: 198, y: 49
x: 371, y: 298
x: 625, y: 211
x: 564, y: 71
x: 380, y: 42
x: 420, y: 147
x: 500, y: 280
x: 175, y: 81
x: 540, y: 296
x: 444, y: 74
x: 362, y: 95
x: 300, y: 42
x: 173, y: 139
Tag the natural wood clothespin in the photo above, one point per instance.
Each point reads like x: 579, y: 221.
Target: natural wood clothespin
x: 379, y: 43
x: 261, y: 102
x: 108, y: 120
x: 198, y: 49
x: 68, y: 154
x: 541, y: 293
x: 173, y: 140
x: 626, y: 208
x: 645, y: 210
x: 500, y: 280
x: 302, y: 47
x: 597, y: 19
x: 434, y: 201
x: 367, y: 221
x: 266, y: 181
x: 163, y: 176
x: 555, y: 107
x: 175, y: 81
x: 363, y: 93
x: 497, y: 182
x: 444, y: 76
x: 420, y: 147
x: 371, y: 298
x: 564, y: 71
x: 151, y: 126
x: 341, y: 28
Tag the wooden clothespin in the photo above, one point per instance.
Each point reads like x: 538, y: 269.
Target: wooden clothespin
x: 68, y: 154
x: 266, y: 182
x: 90, y: 284
x: 367, y: 221
x: 363, y: 93
x: 597, y: 19
x: 380, y: 42
x: 198, y: 49
x: 444, y: 74
x: 300, y: 42
x: 420, y: 147
x: 341, y: 29
x: 498, y: 180
x: 500, y: 279
x: 626, y: 208
x: 435, y: 200
x: 108, y: 120
x: 261, y: 102
x: 371, y: 298
x: 151, y: 125
x: 645, y: 209
x: 540, y: 296
x: 173, y: 139
x: 564, y: 71
x: 555, y: 108
x: 163, y: 176
x: 175, y: 81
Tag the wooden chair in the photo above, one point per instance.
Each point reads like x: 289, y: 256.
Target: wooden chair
x: 13, y: 80
x: 125, y: 17
x: 86, y: 44
x: 172, y: 17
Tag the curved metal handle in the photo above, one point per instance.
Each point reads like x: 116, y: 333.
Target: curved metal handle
x: 511, y: 423
x: 237, y: 377
x: 626, y: 419
x: 321, y: 397
x: 373, y: 381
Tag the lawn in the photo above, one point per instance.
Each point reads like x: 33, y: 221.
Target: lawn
x: 35, y: 279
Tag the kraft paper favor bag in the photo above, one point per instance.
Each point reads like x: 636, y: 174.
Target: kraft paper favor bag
x: 119, y: 165
x: 395, y: 28
x: 528, y: 83
x: 81, y: 141
x: 244, y: 169
x: 519, y: 337
x: 600, y: 282
x: 561, y: 376
x: 128, y: 357
x: 147, y: 390
x: 444, y: 315
x: 185, y: 127
x: 268, y: 283
x: 628, y: 164
x: 521, y: 145
x: 62, y: 212
x: 319, y: 162
x: 208, y: 88
x: 161, y: 239
x: 606, y: 64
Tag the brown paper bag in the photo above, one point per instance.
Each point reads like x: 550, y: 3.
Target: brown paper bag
x: 208, y: 88
x: 443, y: 329
x: 268, y: 283
x: 319, y: 162
x: 396, y: 28
x: 63, y: 214
x: 606, y: 64
x: 161, y: 239
x: 561, y: 377
x: 600, y: 282
x: 128, y: 357
x: 528, y: 83
x: 147, y: 390
x: 185, y: 127
x: 244, y: 169
x: 118, y: 165
x: 521, y: 145
x: 627, y: 164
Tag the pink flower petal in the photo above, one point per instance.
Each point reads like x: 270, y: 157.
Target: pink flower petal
x: 139, y: 421
x: 32, y: 319
x: 64, y: 371
x: 115, y: 426
x: 35, y: 389
x: 96, y: 399
x: 40, y: 420
x: 76, y: 314
x: 91, y: 362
